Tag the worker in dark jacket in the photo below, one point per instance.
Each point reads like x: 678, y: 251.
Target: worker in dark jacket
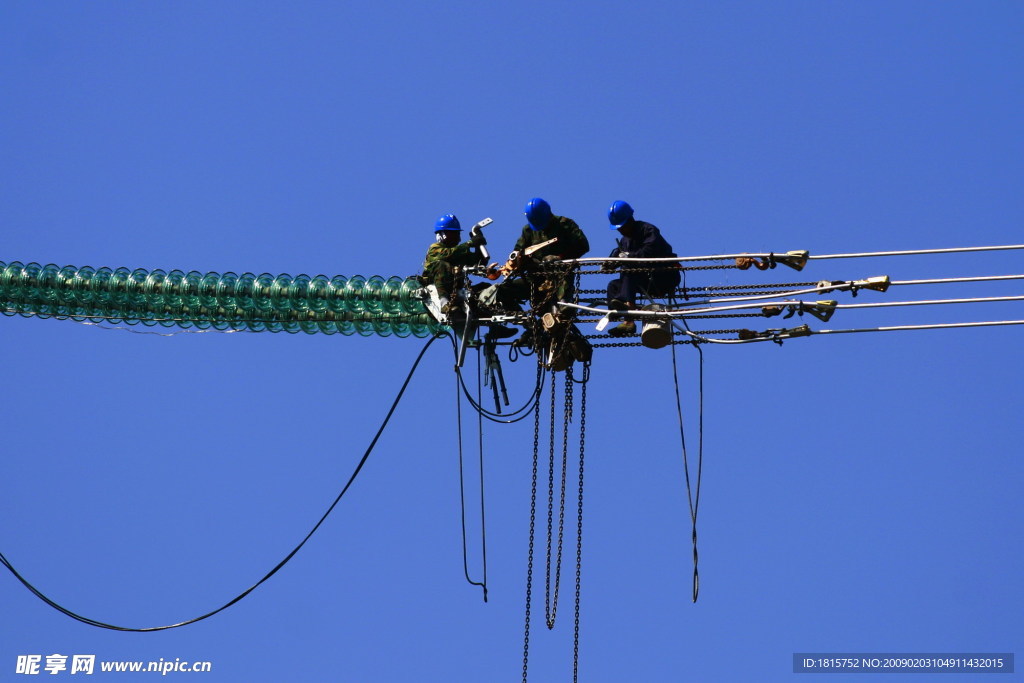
x: 639, y: 240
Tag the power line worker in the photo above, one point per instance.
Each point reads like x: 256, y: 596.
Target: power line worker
x: 444, y: 273
x: 639, y: 240
x: 443, y: 263
x: 533, y: 275
x: 545, y: 238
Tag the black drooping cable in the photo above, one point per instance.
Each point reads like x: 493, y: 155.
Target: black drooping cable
x: 483, y: 505
x: 693, y: 500
x: 282, y: 563
x: 526, y: 409
x: 462, y: 488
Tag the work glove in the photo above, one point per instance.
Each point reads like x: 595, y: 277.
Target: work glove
x: 477, y: 239
x: 549, y: 258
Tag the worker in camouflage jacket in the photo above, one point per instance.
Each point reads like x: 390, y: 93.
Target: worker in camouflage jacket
x: 445, y: 258
x: 445, y: 255
x: 531, y: 277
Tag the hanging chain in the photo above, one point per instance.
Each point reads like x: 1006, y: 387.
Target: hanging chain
x: 552, y: 606
x: 533, y: 517
x: 579, y: 525
x: 551, y: 504
x: 551, y: 601
x: 702, y: 333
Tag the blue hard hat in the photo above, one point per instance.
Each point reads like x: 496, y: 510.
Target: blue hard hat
x: 538, y: 213
x: 619, y: 214
x: 447, y: 223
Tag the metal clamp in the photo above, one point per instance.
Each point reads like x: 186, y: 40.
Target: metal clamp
x: 794, y: 259
x: 879, y: 283
x: 776, y: 335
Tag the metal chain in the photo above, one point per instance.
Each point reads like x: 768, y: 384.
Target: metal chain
x: 622, y: 345
x: 780, y: 285
x: 700, y: 332
x: 551, y: 503
x: 533, y: 517
x: 725, y: 315
x: 579, y: 525
x: 552, y: 606
x: 727, y: 290
x: 686, y: 294
x: 598, y: 271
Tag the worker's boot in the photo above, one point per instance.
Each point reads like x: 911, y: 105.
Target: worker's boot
x: 624, y: 329
x: 450, y: 304
x: 500, y: 332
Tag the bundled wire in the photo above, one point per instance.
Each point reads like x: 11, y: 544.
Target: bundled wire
x: 791, y: 298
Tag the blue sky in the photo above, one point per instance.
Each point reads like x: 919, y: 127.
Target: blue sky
x: 860, y: 492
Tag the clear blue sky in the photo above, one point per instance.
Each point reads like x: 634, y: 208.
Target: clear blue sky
x: 861, y: 492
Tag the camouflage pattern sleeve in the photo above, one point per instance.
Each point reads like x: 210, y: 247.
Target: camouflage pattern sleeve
x: 525, y: 239
x: 572, y: 243
x: 439, y: 263
x: 459, y: 255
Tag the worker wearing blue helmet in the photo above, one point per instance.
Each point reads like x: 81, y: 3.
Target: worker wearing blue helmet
x: 653, y: 279
x: 545, y: 239
x: 542, y: 225
x: 445, y: 256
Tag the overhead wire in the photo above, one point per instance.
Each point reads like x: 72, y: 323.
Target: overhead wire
x: 916, y: 252
x: 932, y: 302
x: 101, y: 624
x: 954, y: 280
x: 728, y: 257
x: 702, y: 312
x: 938, y: 326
